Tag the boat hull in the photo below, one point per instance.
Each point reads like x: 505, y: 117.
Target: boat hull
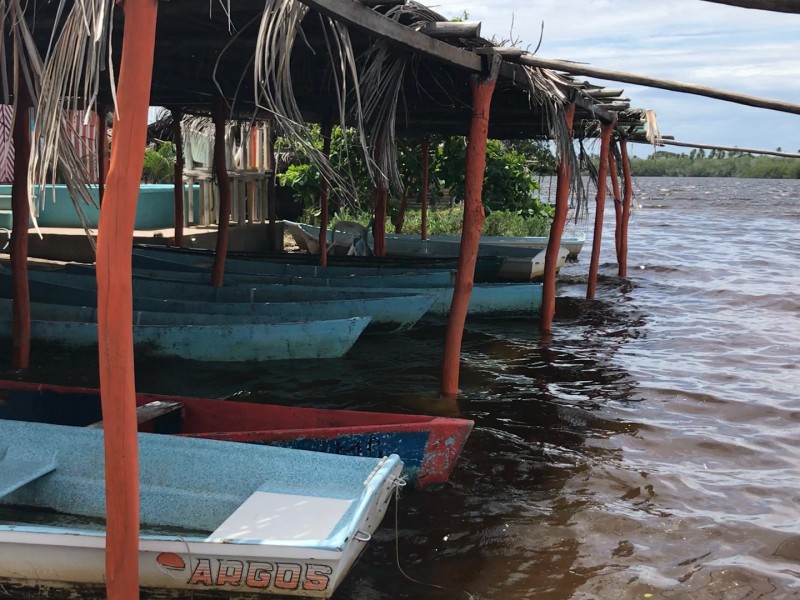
x: 207, y: 523
x: 428, y: 446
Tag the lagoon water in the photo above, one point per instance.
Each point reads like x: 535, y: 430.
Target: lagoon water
x: 649, y: 449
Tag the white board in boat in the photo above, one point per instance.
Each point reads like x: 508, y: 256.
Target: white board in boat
x: 271, y: 516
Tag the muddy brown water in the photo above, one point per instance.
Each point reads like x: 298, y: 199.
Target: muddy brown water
x: 649, y: 449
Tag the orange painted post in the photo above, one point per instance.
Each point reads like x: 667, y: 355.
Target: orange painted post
x: 218, y: 114
x: 424, y: 187
x: 612, y: 168
x: 21, y: 309
x: 475, y: 164
x: 177, y: 137
x: 380, y: 217
x: 323, y: 196
x: 556, y: 230
x: 626, y: 208
x: 102, y: 142
x: 600, y: 208
x: 115, y: 303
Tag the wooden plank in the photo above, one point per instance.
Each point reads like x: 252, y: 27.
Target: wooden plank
x: 668, y: 142
x: 377, y: 25
x: 451, y: 29
x: 787, y: 6
x: 664, y: 84
x: 148, y: 412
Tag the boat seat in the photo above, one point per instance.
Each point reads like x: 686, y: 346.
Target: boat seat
x: 16, y: 473
x: 148, y: 412
x: 274, y: 516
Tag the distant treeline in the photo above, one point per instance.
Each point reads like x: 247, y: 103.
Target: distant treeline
x: 716, y: 163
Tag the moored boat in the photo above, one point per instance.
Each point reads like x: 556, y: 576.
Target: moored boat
x: 215, y: 343
x: 428, y: 446
x: 216, y: 516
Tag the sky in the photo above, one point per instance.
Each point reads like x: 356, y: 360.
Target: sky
x: 735, y: 49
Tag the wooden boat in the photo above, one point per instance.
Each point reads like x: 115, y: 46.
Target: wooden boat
x: 485, y: 299
x: 158, y: 269
x: 387, y: 313
x: 307, y: 237
x: 215, y: 516
x: 428, y: 446
x: 520, y: 262
x: 217, y: 343
x: 486, y: 267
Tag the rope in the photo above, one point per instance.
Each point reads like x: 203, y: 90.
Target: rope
x: 401, y: 483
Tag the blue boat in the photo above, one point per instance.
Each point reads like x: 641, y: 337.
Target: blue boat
x: 215, y: 515
x: 215, y: 343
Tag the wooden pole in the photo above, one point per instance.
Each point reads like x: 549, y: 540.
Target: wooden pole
x: 102, y: 143
x: 219, y: 113
x: 115, y: 302
x: 424, y: 191
x: 20, y: 207
x: 600, y: 207
x: 664, y: 84
x: 327, y: 127
x: 177, y: 137
x: 379, y: 225
x: 272, y: 196
x: 786, y: 6
x: 626, y: 209
x: 475, y: 164
x: 401, y: 213
x: 666, y: 142
x: 612, y: 168
x: 556, y: 230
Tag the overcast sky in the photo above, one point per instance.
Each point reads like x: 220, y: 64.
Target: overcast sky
x: 736, y: 49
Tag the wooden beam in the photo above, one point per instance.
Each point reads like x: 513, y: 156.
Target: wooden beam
x: 379, y: 26
x: 445, y: 30
x: 374, y: 3
x: 664, y: 84
x: 787, y: 6
x: 667, y: 142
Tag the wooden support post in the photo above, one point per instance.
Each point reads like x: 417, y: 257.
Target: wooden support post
x: 219, y: 112
x: 556, y: 230
x: 612, y: 168
x: 177, y: 137
x: 475, y: 164
x: 380, y: 217
x: 626, y: 208
x: 20, y: 207
x: 401, y: 213
x: 600, y: 207
x: 102, y: 143
x: 115, y: 302
x: 327, y: 126
x: 424, y: 187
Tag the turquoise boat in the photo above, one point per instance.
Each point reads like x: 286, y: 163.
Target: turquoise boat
x: 386, y: 314
x: 486, y: 299
x: 410, y: 280
x: 216, y: 516
x: 217, y: 343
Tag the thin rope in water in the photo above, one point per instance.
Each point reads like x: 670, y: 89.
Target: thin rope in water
x: 401, y: 483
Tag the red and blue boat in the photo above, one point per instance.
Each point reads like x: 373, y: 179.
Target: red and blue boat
x: 428, y: 446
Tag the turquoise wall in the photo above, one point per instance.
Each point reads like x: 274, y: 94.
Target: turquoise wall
x: 155, y: 208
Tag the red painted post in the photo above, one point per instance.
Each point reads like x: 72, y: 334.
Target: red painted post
x: 21, y: 309
x: 556, y: 230
x: 219, y: 114
x: 327, y: 126
x: 475, y: 164
x: 102, y: 142
x: 424, y: 187
x: 612, y: 168
x: 177, y: 138
x: 600, y: 208
x: 115, y: 303
x: 626, y: 208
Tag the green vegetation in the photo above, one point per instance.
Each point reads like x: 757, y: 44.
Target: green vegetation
x: 159, y: 164
x: 698, y: 163
x: 510, y: 185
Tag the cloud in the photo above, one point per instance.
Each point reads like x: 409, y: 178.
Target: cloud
x: 748, y: 51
